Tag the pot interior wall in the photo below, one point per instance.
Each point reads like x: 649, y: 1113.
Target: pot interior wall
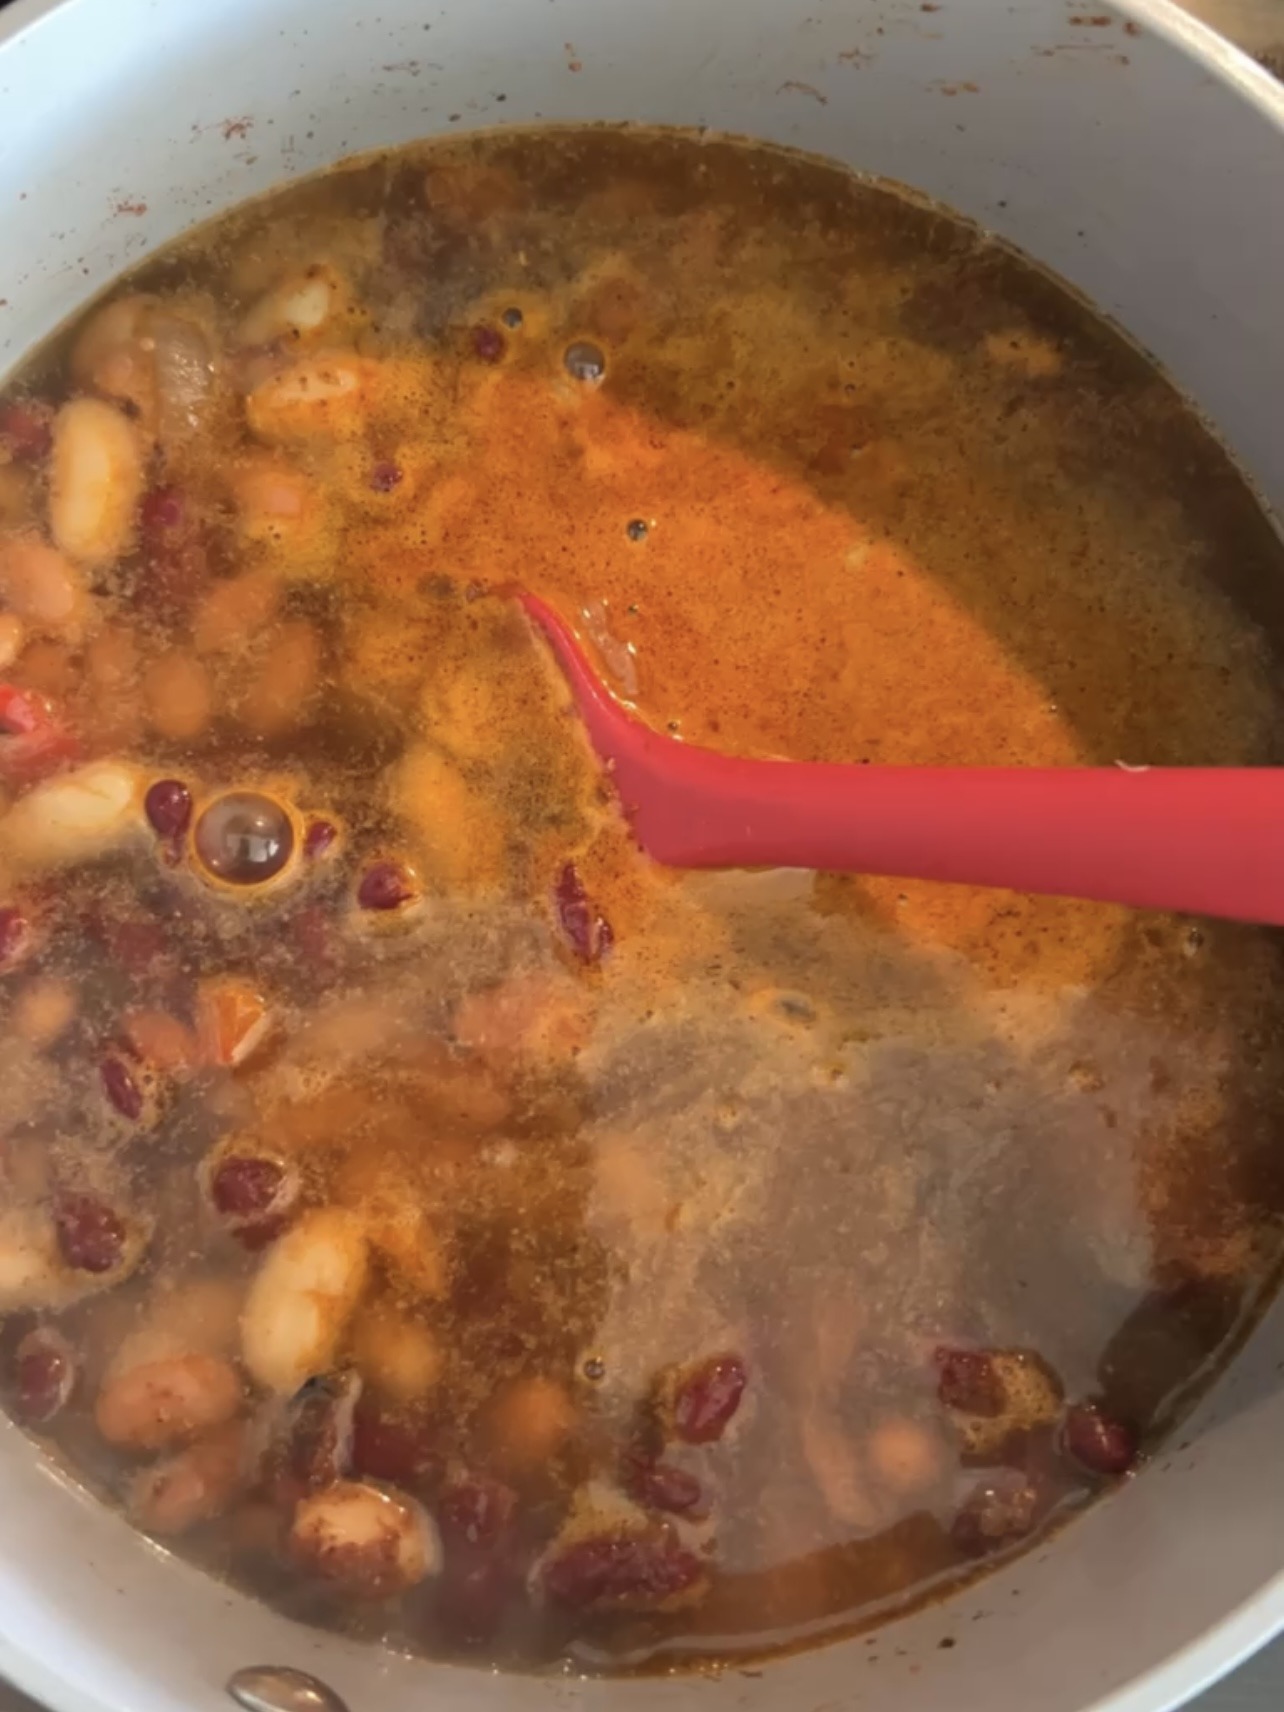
x: 1138, y: 159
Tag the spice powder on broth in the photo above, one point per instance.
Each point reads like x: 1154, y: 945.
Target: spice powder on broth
x: 420, y: 1208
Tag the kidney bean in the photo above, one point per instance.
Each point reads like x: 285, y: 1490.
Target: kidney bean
x: 26, y: 429
x: 622, y: 1572
x: 472, y: 1598
x: 968, y: 1380
x: 44, y: 1375
x: 245, y: 1187
x: 176, y: 553
x: 488, y: 343
x: 256, y: 1197
x: 386, y: 886
x: 397, y: 1447
x: 661, y: 1486
x: 122, y: 1087
x: 316, y: 1448
x: 161, y: 511
x: 587, y: 931
x: 475, y: 1512
x: 16, y: 939
x: 385, y: 476
x: 168, y: 807
x: 91, y: 1235
x: 318, y: 838
x: 1098, y: 1441
x: 706, y: 1397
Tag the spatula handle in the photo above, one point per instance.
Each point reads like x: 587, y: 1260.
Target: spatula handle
x: 1205, y: 840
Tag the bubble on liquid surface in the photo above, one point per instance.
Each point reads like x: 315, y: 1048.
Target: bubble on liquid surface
x: 244, y: 838
x: 585, y: 361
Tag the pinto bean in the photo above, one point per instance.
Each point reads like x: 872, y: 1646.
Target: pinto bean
x: 302, y: 1298
x: 369, y: 1543
x: 76, y: 816
x: 42, y: 588
x: 167, y: 1402
x: 95, y: 481
x: 194, y: 1485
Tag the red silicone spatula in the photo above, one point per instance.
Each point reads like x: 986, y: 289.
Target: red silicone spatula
x: 1209, y: 840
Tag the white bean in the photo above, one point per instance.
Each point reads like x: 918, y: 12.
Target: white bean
x: 299, y: 306
x: 326, y: 395
x: 31, y: 1270
x: 302, y: 1298
x: 95, y: 479
x: 75, y: 816
x: 110, y: 354
x: 42, y: 588
x: 372, y: 1544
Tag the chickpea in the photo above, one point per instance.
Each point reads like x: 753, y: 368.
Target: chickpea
x: 396, y: 1354
x: 906, y: 1456
x: 45, y: 1009
x: 529, y: 1421
x: 234, y: 612
x: 180, y: 701
x: 284, y: 682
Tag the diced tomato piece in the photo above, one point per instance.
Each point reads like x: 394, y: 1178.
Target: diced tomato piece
x: 33, y: 741
x: 232, y: 1021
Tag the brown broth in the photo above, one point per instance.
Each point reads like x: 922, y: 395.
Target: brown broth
x: 936, y: 1173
